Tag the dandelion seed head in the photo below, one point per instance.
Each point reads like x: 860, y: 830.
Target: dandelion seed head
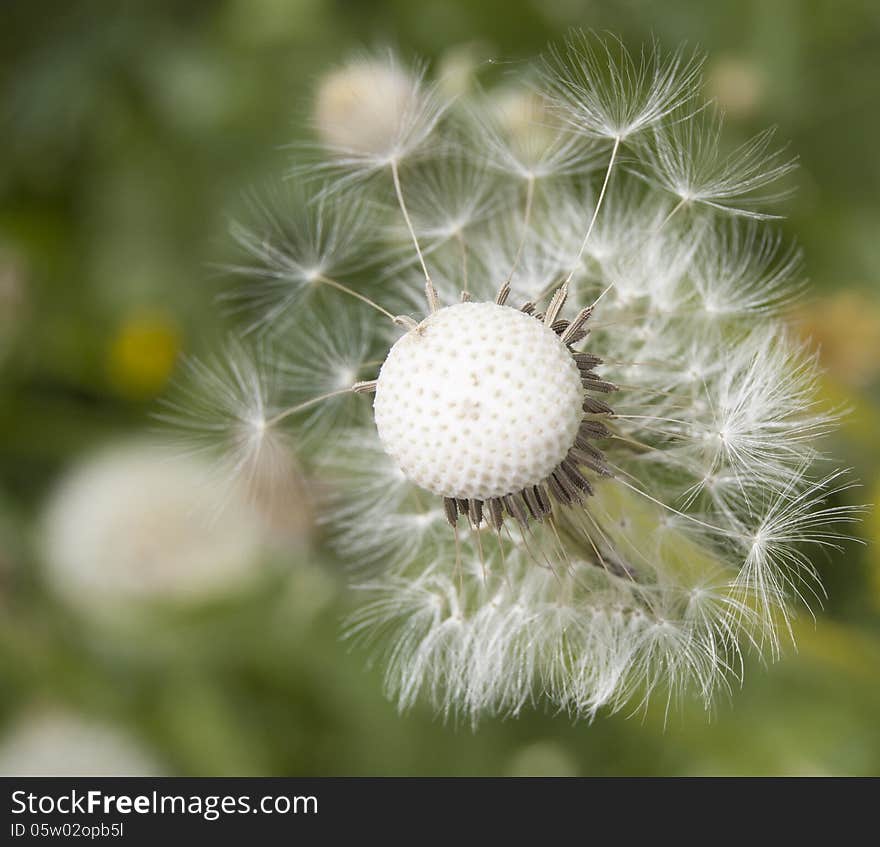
x: 602, y: 89
x: 478, y: 401
x: 293, y: 246
x: 223, y: 408
x: 586, y: 478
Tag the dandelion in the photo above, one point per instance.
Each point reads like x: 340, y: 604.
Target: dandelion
x: 133, y: 525
x: 686, y: 160
x: 587, y: 472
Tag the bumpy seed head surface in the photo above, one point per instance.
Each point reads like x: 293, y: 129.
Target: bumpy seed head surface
x: 478, y: 401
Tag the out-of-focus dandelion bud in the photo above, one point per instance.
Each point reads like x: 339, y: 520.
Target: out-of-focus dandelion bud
x: 457, y: 71
x: 365, y: 106
x: 61, y: 743
x: 135, y: 524
x: 522, y: 135
x: 737, y: 85
x: 527, y: 120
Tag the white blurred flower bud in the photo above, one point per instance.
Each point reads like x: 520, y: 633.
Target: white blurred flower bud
x: 135, y: 524
x: 737, y: 85
x: 56, y: 743
x: 363, y: 106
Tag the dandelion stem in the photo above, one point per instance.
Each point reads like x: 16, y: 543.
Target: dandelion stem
x: 669, y: 217
x: 527, y: 219
x: 607, y: 179
x: 326, y: 280
x: 301, y: 407
x: 429, y: 287
x: 715, y: 529
x: 464, y: 261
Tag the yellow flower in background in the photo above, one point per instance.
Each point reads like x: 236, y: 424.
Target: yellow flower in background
x: 142, y: 354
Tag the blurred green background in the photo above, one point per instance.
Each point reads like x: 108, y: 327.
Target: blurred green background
x: 130, y: 131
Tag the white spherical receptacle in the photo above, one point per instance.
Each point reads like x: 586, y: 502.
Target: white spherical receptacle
x: 478, y: 401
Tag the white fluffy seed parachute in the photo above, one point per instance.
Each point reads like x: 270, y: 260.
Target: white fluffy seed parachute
x: 532, y: 345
